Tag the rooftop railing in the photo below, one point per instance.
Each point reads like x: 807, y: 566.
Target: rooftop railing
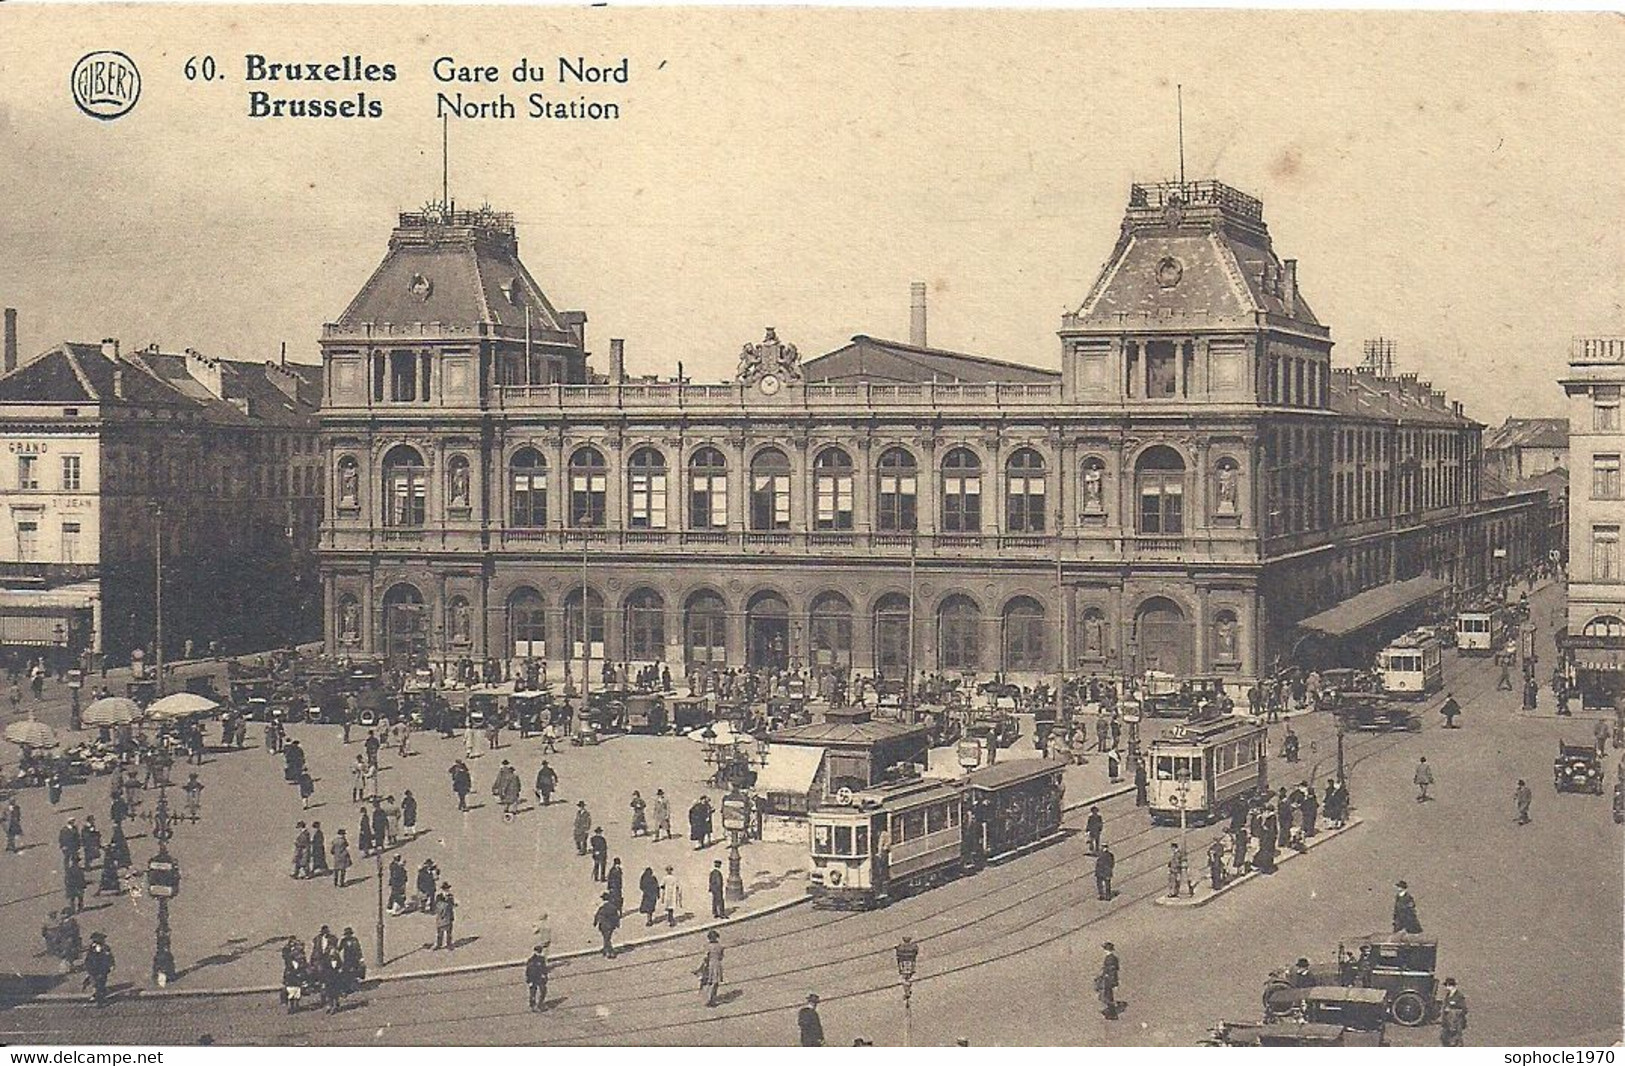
x: 736, y: 394
x: 1597, y: 350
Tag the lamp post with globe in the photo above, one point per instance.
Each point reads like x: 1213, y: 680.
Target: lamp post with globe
x: 908, y: 957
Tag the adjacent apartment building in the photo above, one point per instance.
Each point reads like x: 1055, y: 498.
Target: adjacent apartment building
x: 1594, y: 643
x: 1196, y: 489
x: 103, y: 448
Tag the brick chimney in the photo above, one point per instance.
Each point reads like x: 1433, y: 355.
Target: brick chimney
x: 916, y: 314
x: 617, y: 361
x: 1289, y: 291
x: 11, y: 340
x: 110, y: 348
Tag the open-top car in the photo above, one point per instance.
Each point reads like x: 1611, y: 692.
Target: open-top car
x: 1183, y: 699
x: 1403, y: 966
x: 1577, y: 768
x: 1363, y: 1010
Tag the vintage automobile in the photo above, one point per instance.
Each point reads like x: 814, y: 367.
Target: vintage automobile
x: 1184, y: 698
x: 1577, y: 768
x: 1279, y: 1034
x: 1375, y: 712
x: 376, y: 707
x: 1403, y: 966
x: 482, y: 709
x: 689, y: 712
x: 530, y: 709
x: 1335, y: 684
x: 995, y: 723
x: 1362, y: 1010
x: 645, y: 713
x: 606, y: 710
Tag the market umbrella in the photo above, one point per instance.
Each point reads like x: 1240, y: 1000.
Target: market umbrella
x: 180, y: 705
x: 111, y: 711
x: 31, y: 734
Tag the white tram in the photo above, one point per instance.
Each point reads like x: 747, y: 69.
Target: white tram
x: 883, y: 842
x: 1413, y: 665
x: 1480, y: 632
x: 1205, y: 768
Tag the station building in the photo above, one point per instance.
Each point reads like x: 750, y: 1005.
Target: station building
x: 1197, y: 489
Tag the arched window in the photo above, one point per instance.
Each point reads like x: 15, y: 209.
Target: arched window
x: 707, y: 490
x: 347, y: 491
x: 1023, y: 634
x: 892, y: 658
x: 459, y: 492
x: 527, y: 505
x: 1226, y: 637
x: 592, y: 625
x: 459, y: 622
x: 1227, y: 487
x: 898, y: 484
x: 705, y: 629
x: 1092, y: 635
x: 1160, y: 477
x: 959, y: 634
x: 645, y: 626
x: 646, y: 490
x: 406, y: 488
x: 831, y: 632
x: 1093, y: 491
x: 527, y: 624
x: 961, y: 492
x: 1024, y: 495
x: 1606, y: 625
x: 769, y: 491
x: 589, y: 486
x: 406, y: 637
x: 832, y: 490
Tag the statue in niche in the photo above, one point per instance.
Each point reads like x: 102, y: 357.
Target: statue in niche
x: 459, y: 486
x: 459, y: 624
x: 349, y: 484
x: 350, y: 622
x: 1224, y: 639
x: 1094, y: 635
x: 1228, y: 476
x: 1093, y: 490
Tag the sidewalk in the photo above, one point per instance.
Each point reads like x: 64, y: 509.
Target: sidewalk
x: 1207, y: 895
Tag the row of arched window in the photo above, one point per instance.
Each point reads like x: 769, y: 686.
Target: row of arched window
x: 965, y: 638
x: 1160, y: 485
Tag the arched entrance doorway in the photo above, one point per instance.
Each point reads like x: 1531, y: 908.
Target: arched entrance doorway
x: 767, y: 632
x: 1164, y: 637
x: 892, y: 657
x: 406, y: 625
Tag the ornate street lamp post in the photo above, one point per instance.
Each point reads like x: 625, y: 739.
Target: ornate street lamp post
x: 908, y: 955
x: 163, y: 884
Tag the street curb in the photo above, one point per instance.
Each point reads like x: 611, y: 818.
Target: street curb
x: 1286, y: 857
x: 446, y: 971
x: 1124, y: 790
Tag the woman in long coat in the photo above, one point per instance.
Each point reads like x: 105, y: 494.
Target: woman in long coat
x: 364, y: 835
x: 649, y: 887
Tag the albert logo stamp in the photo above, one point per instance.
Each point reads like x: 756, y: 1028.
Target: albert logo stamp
x: 105, y: 84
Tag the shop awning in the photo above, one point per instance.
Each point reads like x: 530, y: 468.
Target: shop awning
x: 1372, y: 606
x: 790, y: 768
x: 1598, y: 654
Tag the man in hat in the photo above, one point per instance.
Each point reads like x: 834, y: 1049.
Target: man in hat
x: 809, y: 1024
x: 536, y: 977
x: 1105, y: 864
x: 1405, y: 919
x: 718, y: 909
x: 99, y: 964
x: 1452, y: 1015
x: 1107, y: 980
x: 445, y: 918
x: 582, y: 827
x: 606, y: 920
x: 1093, y: 827
x: 1522, y: 797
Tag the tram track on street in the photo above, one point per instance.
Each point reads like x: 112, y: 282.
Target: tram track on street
x: 977, y: 936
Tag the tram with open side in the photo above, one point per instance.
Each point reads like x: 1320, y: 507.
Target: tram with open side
x: 1206, y: 768
x: 887, y: 841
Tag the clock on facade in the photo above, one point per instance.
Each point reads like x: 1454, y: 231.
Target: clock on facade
x: 770, y: 384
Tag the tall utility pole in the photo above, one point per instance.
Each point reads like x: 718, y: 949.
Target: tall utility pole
x: 586, y: 630
x: 913, y: 553
x: 378, y: 863
x: 158, y: 595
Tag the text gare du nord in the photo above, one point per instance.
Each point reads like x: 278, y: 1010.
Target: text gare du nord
x: 577, y: 71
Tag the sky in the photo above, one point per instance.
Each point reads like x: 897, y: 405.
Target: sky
x: 1451, y: 181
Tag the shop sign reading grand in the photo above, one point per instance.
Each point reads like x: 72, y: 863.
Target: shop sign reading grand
x: 28, y: 447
